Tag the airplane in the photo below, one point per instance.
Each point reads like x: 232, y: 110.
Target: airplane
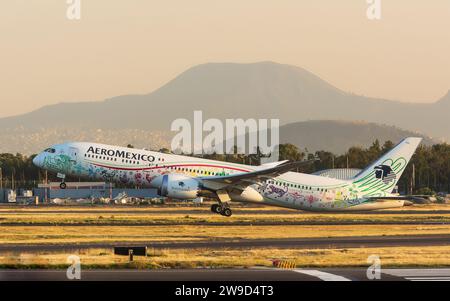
x: 188, y: 178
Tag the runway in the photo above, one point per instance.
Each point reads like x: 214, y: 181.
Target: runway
x: 253, y: 274
x: 206, y: 211
x: 293, y: 243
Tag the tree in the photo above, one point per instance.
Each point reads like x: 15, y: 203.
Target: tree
x: 387, y: 146
x: 290, y: 152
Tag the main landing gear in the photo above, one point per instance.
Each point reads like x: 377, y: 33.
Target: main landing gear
x: 222, y: 209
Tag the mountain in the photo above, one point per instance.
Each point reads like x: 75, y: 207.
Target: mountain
x: 220, y: 90
x: 444, y: 102
x: 330, y: 135
x: 32, y: 141
x: 228, y: 90
x: 339, y: 136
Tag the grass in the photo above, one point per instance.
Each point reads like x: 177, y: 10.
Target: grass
x: 107, y: 215
x: 185, y: 227
x: 97, y: 234
x: 206, y: 258
x: 173, y: 207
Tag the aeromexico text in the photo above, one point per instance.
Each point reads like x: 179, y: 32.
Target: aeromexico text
x: 120, y: 154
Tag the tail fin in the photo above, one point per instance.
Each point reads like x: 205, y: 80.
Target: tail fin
x: 382, y: 175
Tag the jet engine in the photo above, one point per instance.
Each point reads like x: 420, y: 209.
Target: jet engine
x: 178, y: 187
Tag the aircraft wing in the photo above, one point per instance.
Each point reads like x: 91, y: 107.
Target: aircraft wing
x: 254, y: 177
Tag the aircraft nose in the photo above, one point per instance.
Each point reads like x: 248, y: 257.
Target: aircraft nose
x: 38, y: 160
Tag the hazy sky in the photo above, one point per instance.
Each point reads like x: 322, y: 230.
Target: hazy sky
x: 135, y: 46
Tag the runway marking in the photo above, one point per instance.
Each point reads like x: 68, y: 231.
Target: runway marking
x: 417, y: 272
x: 322, y: 275
x: 444, y: 278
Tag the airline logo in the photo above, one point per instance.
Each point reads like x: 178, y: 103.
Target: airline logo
x: 385, y: 173
x: 119, y: 154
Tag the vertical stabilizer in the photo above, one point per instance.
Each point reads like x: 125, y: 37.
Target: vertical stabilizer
x: 380, y: 177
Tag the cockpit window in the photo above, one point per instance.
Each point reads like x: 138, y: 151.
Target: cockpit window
x: 50, y: 150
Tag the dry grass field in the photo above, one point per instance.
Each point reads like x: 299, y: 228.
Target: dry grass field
x: 225, y: 258
x: 104, y: 224
x: 99, y: 234
x: 106, y: 215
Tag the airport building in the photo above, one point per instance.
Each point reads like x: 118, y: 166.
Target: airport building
x: 75, y: 191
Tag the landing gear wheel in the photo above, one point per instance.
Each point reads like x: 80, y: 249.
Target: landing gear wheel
x: 215, y: 208
x: 226, y: 212
x: 63, y: 185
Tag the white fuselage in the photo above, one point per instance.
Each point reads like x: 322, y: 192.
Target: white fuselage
x: 142, y: 167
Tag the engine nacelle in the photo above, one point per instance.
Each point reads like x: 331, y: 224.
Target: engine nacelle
x: 179, y: 187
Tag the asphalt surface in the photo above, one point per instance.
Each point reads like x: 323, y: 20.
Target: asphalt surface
x: 206, y: 211
x: 254, y: 274
x: 289, y: 243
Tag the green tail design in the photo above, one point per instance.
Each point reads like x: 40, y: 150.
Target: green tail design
x: 381, y: 177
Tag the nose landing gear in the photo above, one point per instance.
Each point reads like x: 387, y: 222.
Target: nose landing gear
x: 63, y: 184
